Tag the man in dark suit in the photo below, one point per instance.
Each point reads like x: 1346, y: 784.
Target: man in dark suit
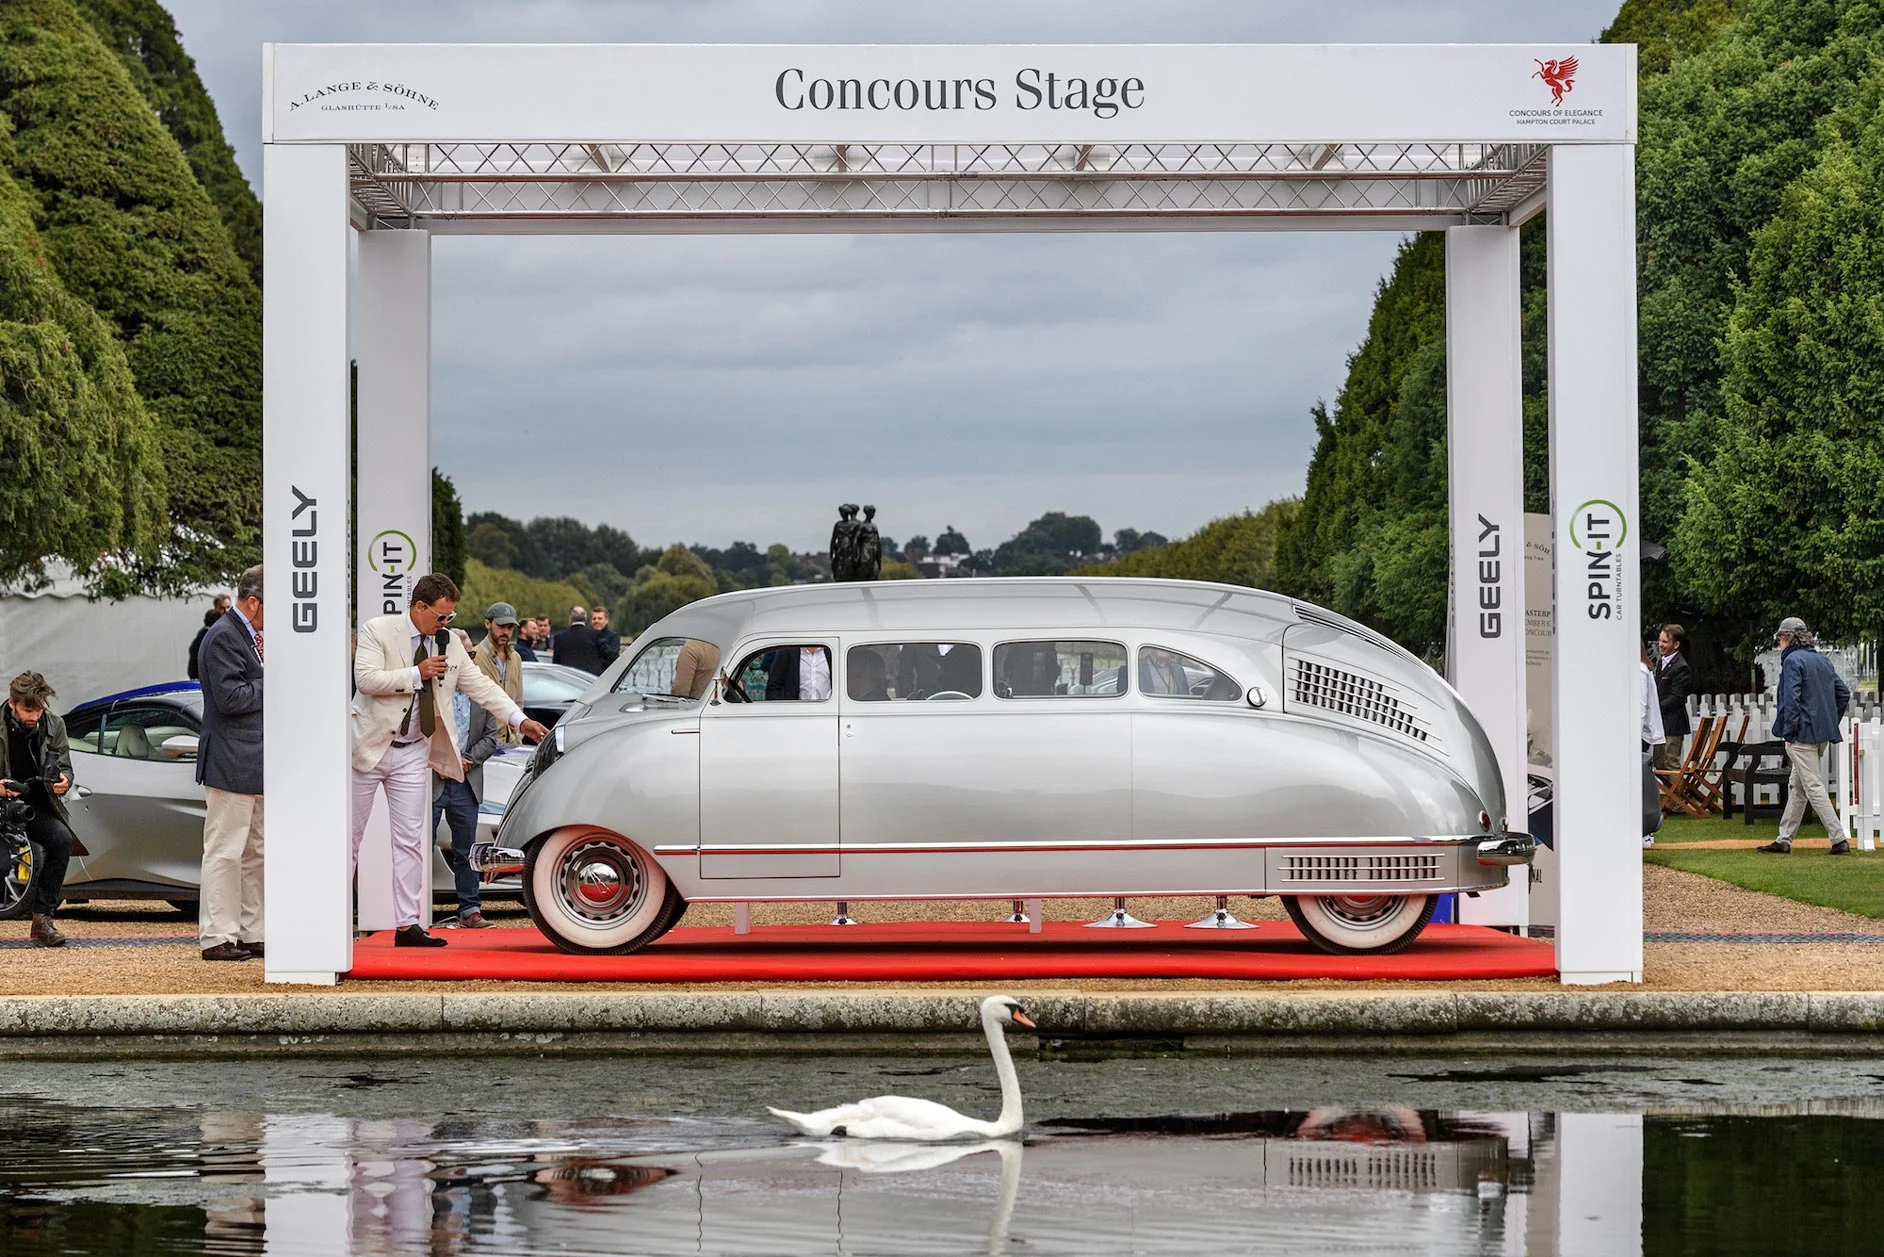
x: 457, y: 803
x: 229, y: 764
x: 578, y: 646
x: 217, y: 610
x: 927, y: 668
x: 1674, y: 681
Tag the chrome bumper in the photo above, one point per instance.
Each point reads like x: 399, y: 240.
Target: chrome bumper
x: 1510, y: 848
x: 495, y: 862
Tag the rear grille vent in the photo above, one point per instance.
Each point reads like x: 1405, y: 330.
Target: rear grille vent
x: 1360, y: 868
x: 1392, y: 1170
x: 1351, y: 694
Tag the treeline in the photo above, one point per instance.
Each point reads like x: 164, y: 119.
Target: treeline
x: 1759, y: 172
x: 549, y: 564
x: 130, y: 316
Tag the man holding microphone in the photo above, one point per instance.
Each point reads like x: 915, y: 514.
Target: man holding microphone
x: 406, y: 669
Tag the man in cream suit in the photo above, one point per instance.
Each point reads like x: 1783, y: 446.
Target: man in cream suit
x: 405, y: 670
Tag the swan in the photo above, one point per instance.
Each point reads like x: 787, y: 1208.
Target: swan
x: 900, y: 1117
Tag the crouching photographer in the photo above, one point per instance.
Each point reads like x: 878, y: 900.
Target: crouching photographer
x: 35, y: 773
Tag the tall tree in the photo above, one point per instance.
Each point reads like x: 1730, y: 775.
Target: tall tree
x: 81, y: 476
x: 128, y: 230
x: 448, y: 535
x: 144, y: 36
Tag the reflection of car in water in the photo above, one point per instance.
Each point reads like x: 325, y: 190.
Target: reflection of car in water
x: 137, y: 810
x: 1095, y: 737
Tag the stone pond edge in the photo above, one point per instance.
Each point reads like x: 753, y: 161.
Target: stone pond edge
x: 771, y: 1020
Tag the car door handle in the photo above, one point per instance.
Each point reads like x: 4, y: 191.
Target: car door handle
x: 80, y: 792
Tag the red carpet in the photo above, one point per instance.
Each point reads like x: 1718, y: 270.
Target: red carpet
x: 953, y: 951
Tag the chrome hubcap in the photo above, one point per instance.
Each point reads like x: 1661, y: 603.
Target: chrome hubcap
x: 600, y: 882
x: 1362, y: 911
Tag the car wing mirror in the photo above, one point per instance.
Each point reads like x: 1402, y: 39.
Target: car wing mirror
x: 1255, y: 696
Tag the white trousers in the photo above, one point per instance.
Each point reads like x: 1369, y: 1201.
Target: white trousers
x: 229, y: 901
x: 406, y: 773
x: 1806, y: 787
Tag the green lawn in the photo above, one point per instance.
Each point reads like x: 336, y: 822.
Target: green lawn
x: 1680, y: 829
x: 1854, y: 883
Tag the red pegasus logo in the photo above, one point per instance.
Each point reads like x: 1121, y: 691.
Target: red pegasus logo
x: 1558, y: 75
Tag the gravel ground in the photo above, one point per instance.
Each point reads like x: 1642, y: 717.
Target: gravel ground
x: 1674, y: 901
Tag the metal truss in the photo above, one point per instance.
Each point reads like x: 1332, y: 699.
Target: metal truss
x: 851, y: 187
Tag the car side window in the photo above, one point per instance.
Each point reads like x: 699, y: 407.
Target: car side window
x: 1060, y: 669
x: 891, y: 671
x: 149, y: 732
x: 1165, y: 673
x: 789, y: 673
x: 82, y: 731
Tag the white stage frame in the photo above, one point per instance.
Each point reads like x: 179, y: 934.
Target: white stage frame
x: 400, y: 142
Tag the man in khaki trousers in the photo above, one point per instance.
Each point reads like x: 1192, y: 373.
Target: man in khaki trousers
x: 229, y: 764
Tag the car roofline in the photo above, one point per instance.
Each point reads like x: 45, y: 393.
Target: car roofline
x: 147, y: 691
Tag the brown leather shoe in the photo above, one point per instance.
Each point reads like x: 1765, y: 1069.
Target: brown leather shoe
x: 473, y: 921
x: 1779, y: 846
x: 415, y: 936
x: 1841, y: 847
x: 44, y: 933
x: 227, y: 951
x: 254, y: 949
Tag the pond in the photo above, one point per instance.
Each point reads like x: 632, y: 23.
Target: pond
x: 1139, y: 1154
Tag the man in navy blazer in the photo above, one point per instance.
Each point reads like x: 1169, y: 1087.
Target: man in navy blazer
x: 229, y: 764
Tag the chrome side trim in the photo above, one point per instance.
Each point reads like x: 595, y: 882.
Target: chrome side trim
x: 951, y: 848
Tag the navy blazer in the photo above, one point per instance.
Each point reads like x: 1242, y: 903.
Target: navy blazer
x: 229, y: 756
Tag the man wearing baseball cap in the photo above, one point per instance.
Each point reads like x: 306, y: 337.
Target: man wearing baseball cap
x: 497, y: 659
x: 1812, y: 700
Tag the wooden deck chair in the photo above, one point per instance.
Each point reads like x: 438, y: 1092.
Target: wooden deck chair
x: 1677, y: 780
x: 1708, y: 787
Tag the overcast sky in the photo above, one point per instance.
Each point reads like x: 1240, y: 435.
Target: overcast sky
x: 706, y: 389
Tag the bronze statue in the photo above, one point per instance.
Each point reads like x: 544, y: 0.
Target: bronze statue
x: 870, y: 547
x: 846, y: 544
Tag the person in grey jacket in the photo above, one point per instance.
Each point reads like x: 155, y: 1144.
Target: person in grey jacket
x: 1812, y: 700
x: 457, y: 802
x: 229, y: 764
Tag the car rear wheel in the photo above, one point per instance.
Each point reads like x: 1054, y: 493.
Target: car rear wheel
x: 16, y: 878
x: 595, y: 893
x: 1347, y: 925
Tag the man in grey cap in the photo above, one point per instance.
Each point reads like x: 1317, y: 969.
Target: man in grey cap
x: 1812, y: 700
x: 497, y: 659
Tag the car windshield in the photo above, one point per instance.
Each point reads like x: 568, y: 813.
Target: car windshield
x: 681, y: 667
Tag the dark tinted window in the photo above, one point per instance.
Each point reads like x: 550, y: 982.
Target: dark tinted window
x: 1063, y: 669
x: 890, y: 671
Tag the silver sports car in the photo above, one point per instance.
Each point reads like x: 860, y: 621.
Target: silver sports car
x: 1008, y: 739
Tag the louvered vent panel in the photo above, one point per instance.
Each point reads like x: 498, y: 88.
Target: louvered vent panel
x: 1360, y: 868
x: 1351, y: 694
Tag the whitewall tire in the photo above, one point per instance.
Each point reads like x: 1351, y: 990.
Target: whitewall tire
x: 1361, y: 924
x: 594, y: 892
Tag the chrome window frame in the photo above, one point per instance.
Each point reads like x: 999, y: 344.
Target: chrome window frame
x: 1237, y: 686
x: 994, y: 689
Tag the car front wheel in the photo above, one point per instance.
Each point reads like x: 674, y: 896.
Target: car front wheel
x: 1375, y: 925
x: 16, y: 878
x: 595, y: 893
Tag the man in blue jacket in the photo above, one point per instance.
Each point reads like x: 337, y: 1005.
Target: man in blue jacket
x: 229, y: 764
x: 1812, y: 700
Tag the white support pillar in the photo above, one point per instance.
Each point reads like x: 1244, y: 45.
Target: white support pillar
x: 393, y: 353
x: 1593, y: 429
x: 1599, y: 1182
x: 1485, y: 457
x: 304, y: 548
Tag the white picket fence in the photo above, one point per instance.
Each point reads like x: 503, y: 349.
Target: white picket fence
x: 1859, y: 781
x: 1856, y: 765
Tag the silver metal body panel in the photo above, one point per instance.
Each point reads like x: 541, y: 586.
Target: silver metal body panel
x: 1362, y: 773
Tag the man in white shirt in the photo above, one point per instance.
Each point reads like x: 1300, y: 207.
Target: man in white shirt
x: 798, y: 673
x: 404, y: 730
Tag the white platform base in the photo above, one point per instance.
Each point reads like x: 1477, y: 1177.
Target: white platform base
x: 1597, y: 977
x: 302, y: 977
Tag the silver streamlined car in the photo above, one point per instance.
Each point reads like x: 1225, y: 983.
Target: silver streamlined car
x: 1009, y: 739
